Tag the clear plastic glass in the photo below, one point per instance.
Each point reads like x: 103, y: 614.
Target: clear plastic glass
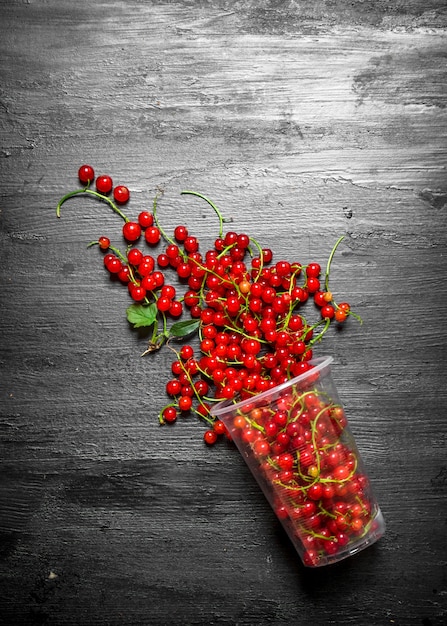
x: 297, y: 443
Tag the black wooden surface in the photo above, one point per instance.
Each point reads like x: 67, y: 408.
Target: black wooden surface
x: 302, y: 121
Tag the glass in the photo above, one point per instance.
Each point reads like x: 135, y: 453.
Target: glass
x: 296, y: 440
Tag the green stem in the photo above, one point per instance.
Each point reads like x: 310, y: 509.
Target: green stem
x: 318, y: 337
x: 90, y: 192
x: 163, y: 233
x: 212, y: 205
x: 329, y: 261
x: 261, y: 256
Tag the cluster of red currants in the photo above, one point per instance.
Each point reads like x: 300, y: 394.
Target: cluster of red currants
x: 244, y: 306
x: 307, y: 461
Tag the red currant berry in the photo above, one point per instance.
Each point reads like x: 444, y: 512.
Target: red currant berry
x: 163, y: 303
x: 114, y: 265
x: 183, y: 270
x: 219, y: 427
x: 176, y: 308
x: 180, y: 233
x: 261, y: 447
x: 108, y: 257
x: 134, y: 256
x: 315, y: 492
x: 131, y: 231
x: 282, y: 268
x: 152, y: 235
x: 319, y: 298
x: 124, y: 274
x: 104, y: 243
x: 311, y: 558
x: 201, y: 388
x: 104, y: 184
x: 121, y: 194
x: 158, y: 278
x: 173, y: 387
x: 163, y: 260
x: 86, y: 174
x: 137, y: 292
x: 328, y: 311
x: 185, y: 403
x: 313, y: 284
x: 340, y: 316
x: 210, y: 437
x: 186, y: 352
x: 191, y: 244
x: 169, y: 414
x: 341, y: 473
x: 146, y: 265
x: 168, y: 291
x: 243, y: 240
x: 267, y: 255
x: 313, y: 269
x: 145, y: 219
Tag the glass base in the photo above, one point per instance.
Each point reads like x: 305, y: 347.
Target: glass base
x: 376, y: 531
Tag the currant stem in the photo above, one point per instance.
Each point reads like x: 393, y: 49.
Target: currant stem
x: 212, y: 205
x: 329, y: 261
x: 318, y: 337
x: 163, y: 233
x: 88, y: 191
x: 261, y: 256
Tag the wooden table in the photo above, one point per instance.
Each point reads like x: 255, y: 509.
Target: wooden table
x: 302, y: 121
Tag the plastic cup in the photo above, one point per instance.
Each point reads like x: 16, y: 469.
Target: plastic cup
x: 297, y: 443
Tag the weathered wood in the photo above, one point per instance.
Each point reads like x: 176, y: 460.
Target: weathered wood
x: 302, y: 121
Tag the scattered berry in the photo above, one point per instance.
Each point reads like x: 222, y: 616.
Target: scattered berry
x: 86, y: 174
x: 121, y: 194
x: 104, y: 184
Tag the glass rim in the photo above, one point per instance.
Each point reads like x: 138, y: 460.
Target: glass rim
x: 227, y: 405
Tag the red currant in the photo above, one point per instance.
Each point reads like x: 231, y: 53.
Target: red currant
x: 163, y: 303
x: 180, y: 233
x: 219, y: 427
x: 185, y: 403
x: 124, y: 274
x: 191, y: 244
x: 173, y: 387
x: 340, y: 316
x: 86, y: 174
x: 134, y: 256
x: 131, y: 231
x: 313, y: 284
x: 121, y: 194
x: 152, y: 235
x: 313, y: 270
x: 210, y: 437
x: 158, y: 278
x: 328, y: 311
x: 315, y: 491
x: 104, y: 184
x: 169, y: 414
x: 176, y: 308
x: 114, y: 265
x: 145, y: 219
x: 186, y: 352
x: 137, y: 292
x: 104, y: 243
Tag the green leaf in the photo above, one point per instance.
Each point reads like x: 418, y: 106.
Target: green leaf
x: 183, y: 329
x: 142, y: 314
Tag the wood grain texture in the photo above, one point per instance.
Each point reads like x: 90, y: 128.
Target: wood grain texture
x: 302, y: 121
